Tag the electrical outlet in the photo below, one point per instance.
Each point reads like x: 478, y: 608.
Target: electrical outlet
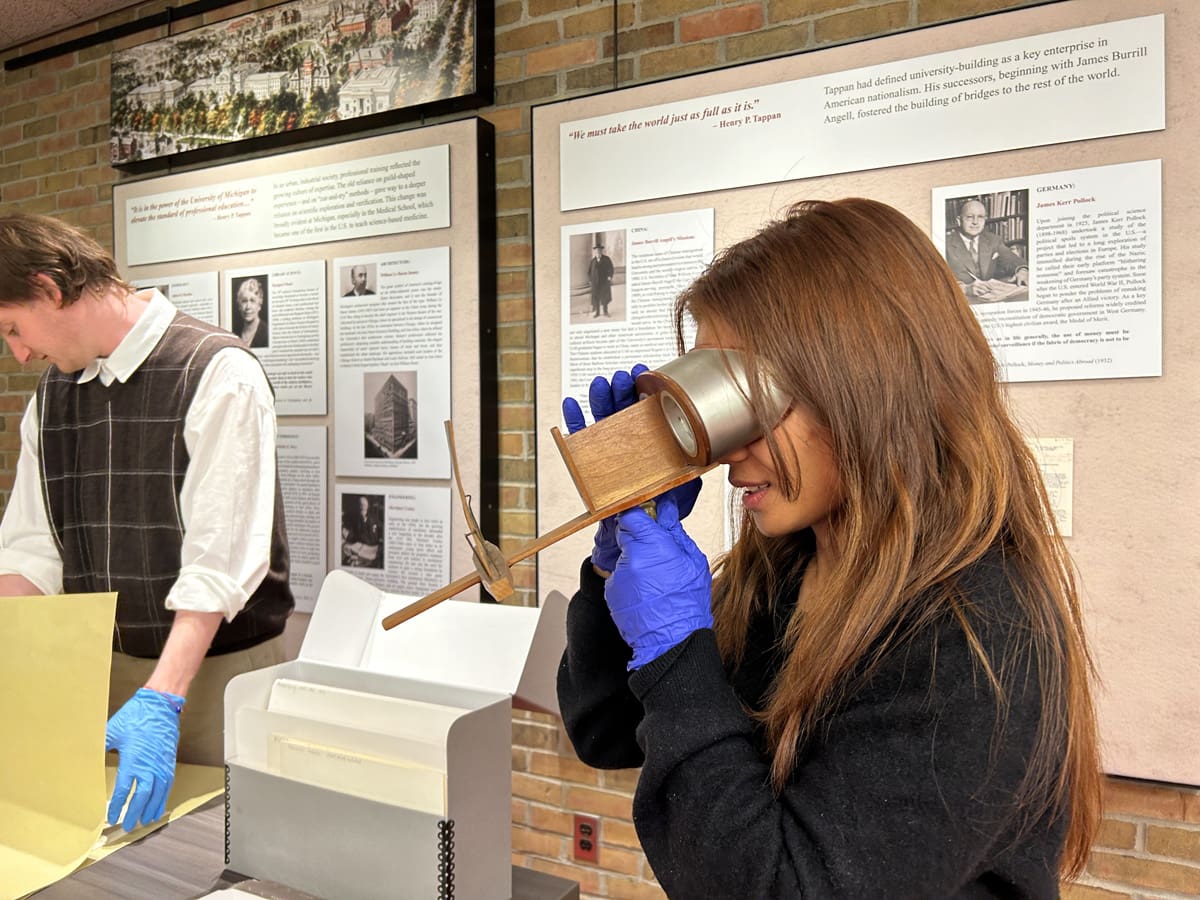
x: 587, y: 838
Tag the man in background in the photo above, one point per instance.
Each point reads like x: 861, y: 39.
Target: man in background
x: 362, y: 536
x: 980, y: 258
x: 147, y: 467
x: 600, y: 276
x: 358, y: 283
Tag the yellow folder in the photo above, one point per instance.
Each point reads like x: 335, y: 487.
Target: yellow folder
x: 55, y: 654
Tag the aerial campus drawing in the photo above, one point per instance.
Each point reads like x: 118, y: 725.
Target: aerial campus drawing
x: 303, y: 63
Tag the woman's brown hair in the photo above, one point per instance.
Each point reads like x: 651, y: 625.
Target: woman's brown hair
x: 849, y: 309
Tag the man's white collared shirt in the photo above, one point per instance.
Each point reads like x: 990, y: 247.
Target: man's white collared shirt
x: 227, y: 502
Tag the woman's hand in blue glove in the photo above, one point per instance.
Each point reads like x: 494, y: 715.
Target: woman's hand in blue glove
x: 661, y: 588
x: 606, y: 398
x: 145, y: 732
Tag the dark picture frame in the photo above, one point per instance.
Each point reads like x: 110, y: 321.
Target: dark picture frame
x: 300, y: 70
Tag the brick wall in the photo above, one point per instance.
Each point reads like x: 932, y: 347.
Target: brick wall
x: 53, y: 135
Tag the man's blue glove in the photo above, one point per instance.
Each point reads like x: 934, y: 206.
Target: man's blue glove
x: 606, y: 398
x: 145, y: 731
x: 661, y: 589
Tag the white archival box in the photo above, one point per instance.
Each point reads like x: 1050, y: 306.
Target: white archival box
x: 303, y: 806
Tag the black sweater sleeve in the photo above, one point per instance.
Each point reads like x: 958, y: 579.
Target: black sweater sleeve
x: 599, y: 710
x: 906, y: 793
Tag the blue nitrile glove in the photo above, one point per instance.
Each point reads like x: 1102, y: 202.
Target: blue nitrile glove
x: 145, y: 731
x: 606, y: 398
x: 661, y: 589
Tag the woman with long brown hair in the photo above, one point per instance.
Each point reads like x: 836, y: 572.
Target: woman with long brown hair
x: 882, y: 690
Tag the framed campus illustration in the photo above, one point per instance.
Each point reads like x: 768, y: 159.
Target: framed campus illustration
x: 300, y: 69
x: 1038, y: 148
x: 361, y: 274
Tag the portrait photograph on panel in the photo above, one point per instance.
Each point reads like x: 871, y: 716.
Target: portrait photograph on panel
x: 363, y: 530
x: 987, y: 245
x: 249, y: 318
x: 357, y: 280
x: 390, y: 415
x: 597, y: 272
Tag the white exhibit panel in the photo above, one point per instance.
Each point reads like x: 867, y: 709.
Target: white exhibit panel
x: 289, y: 339
x: 333, y: 263
x: 303, y: 466
x: 1093, y: 238
x: 1073, y: 124
x: 391, y: 361
x: 194, y: 293
x: 395, y: 535
x: 1063, y: 85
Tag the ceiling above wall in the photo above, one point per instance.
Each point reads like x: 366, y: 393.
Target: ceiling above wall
x: 26, y: 20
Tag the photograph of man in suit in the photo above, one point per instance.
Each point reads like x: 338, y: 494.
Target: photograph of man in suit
x: 979, y: 258
x: 358, y: 283
x: 600, y: 276
x: 362, y: 531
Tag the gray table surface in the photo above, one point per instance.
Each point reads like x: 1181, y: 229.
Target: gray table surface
x: 185, y: 859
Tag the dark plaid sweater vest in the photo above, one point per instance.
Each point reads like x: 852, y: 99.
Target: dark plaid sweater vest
x: 113, y: 462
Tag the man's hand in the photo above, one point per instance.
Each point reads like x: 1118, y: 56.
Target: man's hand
x: 13, y: 585
x: 974, y: 290
x: 145, y: 732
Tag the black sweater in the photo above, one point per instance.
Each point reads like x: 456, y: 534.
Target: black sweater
x: 907, y: 791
